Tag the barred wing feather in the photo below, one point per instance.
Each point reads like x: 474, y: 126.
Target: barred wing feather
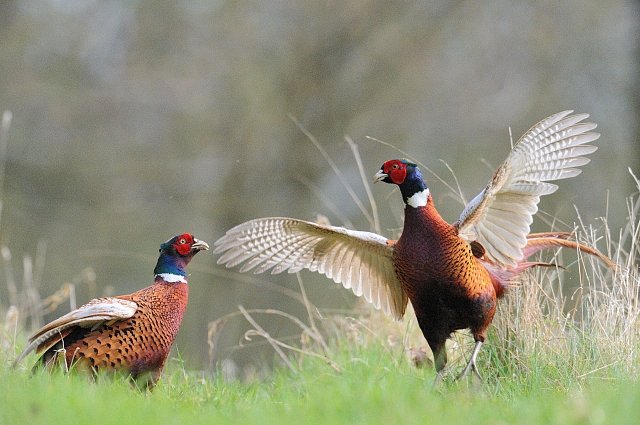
x: 360, y: 261
x: 92, y: 314
x: 500, y: 216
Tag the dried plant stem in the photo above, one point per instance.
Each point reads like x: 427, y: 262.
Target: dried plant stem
x: 33, y: 296
x: 216, y: 326
x: 9, y: 276
x: 365, y: 183
x: 259, y: 330
x: 7, y: 116
x: 335, y: 169
x: 312, y: 322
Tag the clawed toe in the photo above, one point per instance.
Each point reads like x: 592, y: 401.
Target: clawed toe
x: 471, y: 365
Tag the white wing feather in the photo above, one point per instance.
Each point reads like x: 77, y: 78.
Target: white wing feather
x: 360, y: 261
x: 500, y: 216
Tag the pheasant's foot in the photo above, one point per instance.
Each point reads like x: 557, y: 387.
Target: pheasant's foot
x: 471, y: 365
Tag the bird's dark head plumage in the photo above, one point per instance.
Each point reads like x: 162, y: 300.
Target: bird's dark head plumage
x: 176, y: 253
x: 404, y: 174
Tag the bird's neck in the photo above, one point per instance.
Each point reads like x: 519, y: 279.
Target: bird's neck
x: 424, y: 219
x: 414, y: 190
x: 171, y: 269
x: 170, y: 278
x: 418, y: 199
x: 423, y: 246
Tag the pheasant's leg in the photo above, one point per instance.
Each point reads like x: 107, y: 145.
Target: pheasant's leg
x: 436, y: 342
x: 439, y: 361
x: 471, y: 366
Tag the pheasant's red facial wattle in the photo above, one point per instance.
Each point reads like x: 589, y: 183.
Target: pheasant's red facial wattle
x: 396, y: 170
x: 183, y: 244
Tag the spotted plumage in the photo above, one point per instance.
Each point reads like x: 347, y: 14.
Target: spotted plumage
x: 129, y: 333
x: 453, y: 274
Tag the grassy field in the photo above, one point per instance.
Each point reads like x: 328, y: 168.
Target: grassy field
x: 373, y: 386
x: 551, y: 371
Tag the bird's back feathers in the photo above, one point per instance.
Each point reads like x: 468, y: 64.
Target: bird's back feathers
x: 91, y: 315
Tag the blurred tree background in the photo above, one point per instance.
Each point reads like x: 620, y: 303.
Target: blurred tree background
x: 137, y: 120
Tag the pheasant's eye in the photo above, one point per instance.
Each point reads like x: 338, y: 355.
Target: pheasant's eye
x: 395, y: 166
x: 183, y: 241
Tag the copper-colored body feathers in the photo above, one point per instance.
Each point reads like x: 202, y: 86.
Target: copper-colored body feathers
x: 136, y: 345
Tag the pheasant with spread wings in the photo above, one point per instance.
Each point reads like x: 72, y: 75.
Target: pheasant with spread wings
x: 453, y: 274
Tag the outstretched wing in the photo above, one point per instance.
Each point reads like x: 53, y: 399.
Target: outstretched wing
x: 90, y: 315
x: 500, y: 216
x: 361, y: 261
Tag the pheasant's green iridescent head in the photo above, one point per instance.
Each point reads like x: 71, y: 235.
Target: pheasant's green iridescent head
x: 176, y: 253
x: 407, y: 176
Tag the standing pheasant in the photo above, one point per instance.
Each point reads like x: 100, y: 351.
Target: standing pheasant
x: 451, y: 273
x: 129, y: 333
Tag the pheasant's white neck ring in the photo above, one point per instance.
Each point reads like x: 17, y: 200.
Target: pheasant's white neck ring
x: 171, y: 278
x: 418, y: 199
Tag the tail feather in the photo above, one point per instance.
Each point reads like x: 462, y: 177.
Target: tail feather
x: 536, y: 242
x: 539, y: 241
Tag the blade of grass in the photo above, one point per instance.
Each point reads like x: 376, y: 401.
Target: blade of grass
x: 365, y: 182
x: 335, y: 169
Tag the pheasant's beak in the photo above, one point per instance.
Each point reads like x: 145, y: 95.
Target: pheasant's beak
x: 380, y: 176
x: 199, y: 245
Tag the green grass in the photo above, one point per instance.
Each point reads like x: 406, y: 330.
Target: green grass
x: 376, y: 386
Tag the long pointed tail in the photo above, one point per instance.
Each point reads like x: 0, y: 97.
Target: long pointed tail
x: 536, y: 242
x: 539, y: 241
